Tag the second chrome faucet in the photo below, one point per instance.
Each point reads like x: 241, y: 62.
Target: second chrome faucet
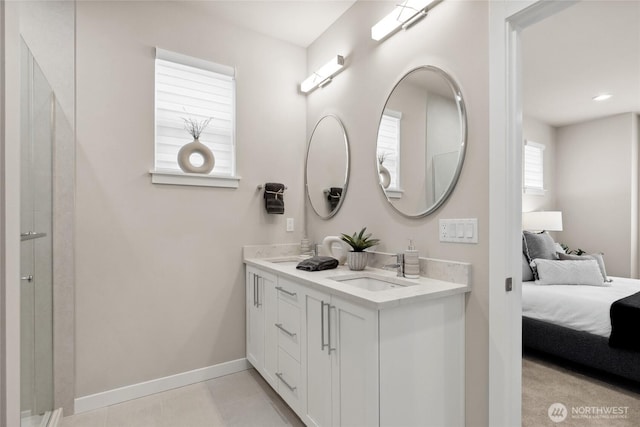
x: 399, y: 265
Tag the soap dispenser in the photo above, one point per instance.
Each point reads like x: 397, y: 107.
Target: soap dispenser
x: 411, y: 262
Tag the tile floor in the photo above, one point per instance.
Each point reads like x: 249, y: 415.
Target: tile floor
x: 243, y: 399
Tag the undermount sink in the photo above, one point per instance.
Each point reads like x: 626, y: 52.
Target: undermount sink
x: 373, y: 282
x: 290, y: 260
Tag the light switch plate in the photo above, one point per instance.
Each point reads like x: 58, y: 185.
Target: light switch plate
x: 464, y: 230
x: 290, y: 224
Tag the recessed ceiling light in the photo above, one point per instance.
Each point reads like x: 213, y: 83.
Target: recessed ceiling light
x: 602, y: 97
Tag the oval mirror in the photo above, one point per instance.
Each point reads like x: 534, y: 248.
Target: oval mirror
x: 327, y: 166
x: 421, y: 141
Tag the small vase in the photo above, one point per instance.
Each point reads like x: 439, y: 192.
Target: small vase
x: 357, y: 260
x: 385, y: 176
x: 196, y: 147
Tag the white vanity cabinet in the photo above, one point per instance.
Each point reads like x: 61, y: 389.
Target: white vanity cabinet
x: 342, y: 360
x: 341, y: 353
x: 262, y: 348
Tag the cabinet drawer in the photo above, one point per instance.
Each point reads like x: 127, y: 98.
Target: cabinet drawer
x: 288, y: 291
x: 289, y: 328
x: 289, y: 379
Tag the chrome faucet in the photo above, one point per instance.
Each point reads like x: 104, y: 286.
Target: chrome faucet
x: 399, y: 265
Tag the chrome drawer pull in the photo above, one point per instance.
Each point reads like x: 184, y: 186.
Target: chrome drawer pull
x: 279, y: 375
x: 281, y: 289
x: 279, y: 326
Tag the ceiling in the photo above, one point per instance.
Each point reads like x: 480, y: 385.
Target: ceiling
x: 588, y: 48
x: 299, y: 22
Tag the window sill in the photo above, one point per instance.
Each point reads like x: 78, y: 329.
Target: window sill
x: 534, y: 191
x: 394, y: 193
x: 193, y: 179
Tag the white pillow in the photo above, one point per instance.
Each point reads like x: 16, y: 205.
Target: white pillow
x: 583, y: 272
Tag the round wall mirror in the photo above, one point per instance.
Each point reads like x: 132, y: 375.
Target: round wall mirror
x: 421, y: 141
x: 327, y: 166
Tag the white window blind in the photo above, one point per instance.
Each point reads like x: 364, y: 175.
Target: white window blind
x: 389, y: 145
x: 533, y: 168
x: 194, y: 88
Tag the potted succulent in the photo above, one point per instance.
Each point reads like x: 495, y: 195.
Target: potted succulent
x: 195, y: 128
x: 357, y: 258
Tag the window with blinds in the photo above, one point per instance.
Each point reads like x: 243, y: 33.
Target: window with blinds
x: 193, y: 88
x: 533, y: 168
x: 389, y: 145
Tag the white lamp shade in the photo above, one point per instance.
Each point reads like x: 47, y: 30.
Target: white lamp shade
x: 402, y: 13
x: 539, y: 221
x: 326, y: 72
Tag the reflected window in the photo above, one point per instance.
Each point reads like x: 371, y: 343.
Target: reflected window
x: 389, y: 145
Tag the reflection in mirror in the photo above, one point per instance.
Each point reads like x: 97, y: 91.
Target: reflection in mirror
x: 421, y: 141
x: 327, y: 166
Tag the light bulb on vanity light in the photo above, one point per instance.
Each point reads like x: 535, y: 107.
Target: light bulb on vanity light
x: 324, y: 75
x: 602, y: 97
x: 404, y: 15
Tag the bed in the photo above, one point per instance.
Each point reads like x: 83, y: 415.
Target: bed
x: 573, y: 322
x: 573, y: 310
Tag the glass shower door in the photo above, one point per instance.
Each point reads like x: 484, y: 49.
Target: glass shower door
x: 36, y: 257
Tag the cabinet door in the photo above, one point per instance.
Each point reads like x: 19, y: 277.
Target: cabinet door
x: 262, y: 315
x: 255, y: 320
x: 354, y: 364
x: 269, y: 303
x: 316, y: 360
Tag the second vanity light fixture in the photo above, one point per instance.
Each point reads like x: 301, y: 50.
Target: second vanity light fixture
x: 324, y: 75
x: 405, y: 14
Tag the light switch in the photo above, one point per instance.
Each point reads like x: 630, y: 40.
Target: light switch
x: 468, y: 230
x: 451, y: 229
x: 460, y: 230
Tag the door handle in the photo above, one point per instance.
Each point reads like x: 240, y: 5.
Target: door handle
x: 28, y: 278
x: 281, y: 289
x: 258, y: 293
x: 290, y: 387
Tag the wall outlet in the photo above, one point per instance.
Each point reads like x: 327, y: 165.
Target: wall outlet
x: 290, y: 224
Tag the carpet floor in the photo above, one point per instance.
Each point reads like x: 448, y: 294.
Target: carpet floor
x: 553, y: 395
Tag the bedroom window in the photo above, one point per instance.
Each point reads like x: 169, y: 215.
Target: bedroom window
x: 389, y: 149
x: 533, y: 168
x: 194, y: 89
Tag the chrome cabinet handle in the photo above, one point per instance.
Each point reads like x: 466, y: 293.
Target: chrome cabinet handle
x: 322, y: 344
x: 329, y: 307
x: 281, y: 289
x: 279, y: 326
x: 289, y: 386
x: 28, y: 278
x: 254, y: 290
x: 258, y: 293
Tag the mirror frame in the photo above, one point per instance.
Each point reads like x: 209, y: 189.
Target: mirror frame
x: 347, y: 172
x: 463, y: 140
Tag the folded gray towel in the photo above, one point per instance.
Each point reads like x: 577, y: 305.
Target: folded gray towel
x: 274, y: 197
x: 318, y: 263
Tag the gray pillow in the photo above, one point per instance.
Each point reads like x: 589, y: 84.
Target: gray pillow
x: 527, y: 274
x: 598, y: 257
x: 538, y: 246
x: 572, y: 272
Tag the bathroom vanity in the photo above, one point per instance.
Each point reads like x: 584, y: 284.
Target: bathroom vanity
x: 346, y: 348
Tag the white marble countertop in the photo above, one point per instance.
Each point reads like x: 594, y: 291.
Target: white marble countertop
x: 421, y: 289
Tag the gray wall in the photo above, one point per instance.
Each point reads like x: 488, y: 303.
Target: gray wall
x: 160, y: 279
x: 454, y: 36
x: 596, y: 181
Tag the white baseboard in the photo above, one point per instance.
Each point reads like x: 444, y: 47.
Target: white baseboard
x: 55, y: 418
x: 134, y: 391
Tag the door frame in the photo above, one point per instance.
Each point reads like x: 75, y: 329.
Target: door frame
x: 507, y: 18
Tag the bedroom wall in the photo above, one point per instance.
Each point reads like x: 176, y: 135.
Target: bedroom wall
x: 160, y: 279
x: 596, y: 166
x: 454, y: 36
x: 542, y: 133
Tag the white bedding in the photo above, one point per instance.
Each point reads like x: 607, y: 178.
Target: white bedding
x: 584, y: 308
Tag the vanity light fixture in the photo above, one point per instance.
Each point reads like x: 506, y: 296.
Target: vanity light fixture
x: 323, y: 76
x: 404, y: 15
x: 602, y: 97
